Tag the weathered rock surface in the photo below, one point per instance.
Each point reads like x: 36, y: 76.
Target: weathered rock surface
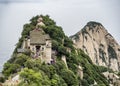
x: 100, y: 45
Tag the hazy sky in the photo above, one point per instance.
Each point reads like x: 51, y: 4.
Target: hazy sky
x: 72, y: 15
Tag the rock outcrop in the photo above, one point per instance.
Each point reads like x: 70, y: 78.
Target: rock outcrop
x: 100, y: 45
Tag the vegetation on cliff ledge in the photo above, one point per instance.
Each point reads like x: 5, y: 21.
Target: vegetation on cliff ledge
x: 33, y: 72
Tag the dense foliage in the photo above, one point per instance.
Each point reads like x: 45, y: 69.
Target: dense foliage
x: 35, y: 73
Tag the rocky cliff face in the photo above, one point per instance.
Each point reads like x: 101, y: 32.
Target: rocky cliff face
x: 100, y: 45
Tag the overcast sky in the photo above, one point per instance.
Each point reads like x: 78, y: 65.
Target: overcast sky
x: 72, y: 15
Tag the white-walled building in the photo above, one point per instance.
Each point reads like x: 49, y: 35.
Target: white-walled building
x: 40, y: 45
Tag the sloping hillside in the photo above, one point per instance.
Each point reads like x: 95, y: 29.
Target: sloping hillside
x: 71, y: 66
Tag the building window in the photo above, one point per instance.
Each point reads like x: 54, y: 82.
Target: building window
x: 33, y: 49
x: 28, y: 47
x: 42, y: 48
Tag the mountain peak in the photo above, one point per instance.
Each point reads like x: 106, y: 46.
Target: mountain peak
x: 93, y: 23
x: 100, y: 45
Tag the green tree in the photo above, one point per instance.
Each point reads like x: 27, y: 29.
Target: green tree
x: 21, y: 59
x: 49, y: 70
x: 34, y: 64
x: 59, y: 66
x: 85, y: 83
x: 32, y: 77
x: 57, y: 81
x: 2, y: 79
x: 10, y: 69
x: 69, y: 77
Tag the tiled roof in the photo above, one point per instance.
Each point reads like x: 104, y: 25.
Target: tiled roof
x: 38, y: 36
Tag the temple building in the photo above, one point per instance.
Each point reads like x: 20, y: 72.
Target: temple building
x: 40, y: 45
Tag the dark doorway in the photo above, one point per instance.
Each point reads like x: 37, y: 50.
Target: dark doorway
x: 37, y: 48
